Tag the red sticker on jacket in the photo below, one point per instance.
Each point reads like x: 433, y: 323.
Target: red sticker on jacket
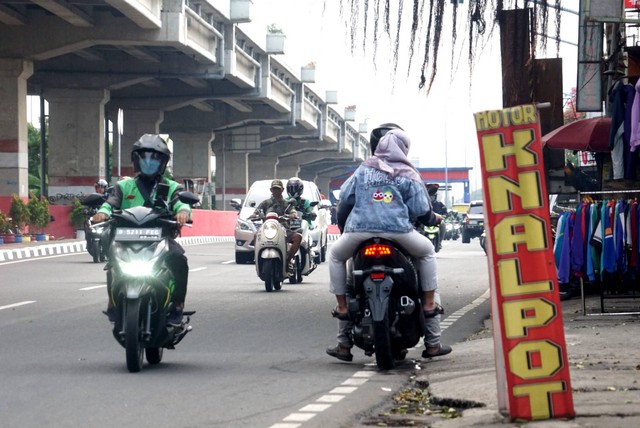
x: 130, y: 197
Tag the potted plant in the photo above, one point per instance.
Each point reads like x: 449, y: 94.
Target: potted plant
x: 275, y: 39
x: 4, y: 226
x: 77, y: 217
x: 17, y: 216
x: 39, y: 216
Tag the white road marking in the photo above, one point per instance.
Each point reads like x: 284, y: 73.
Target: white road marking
x: 361, y: 377
x: 15, y: 305
x: 37, y: 258
x: 228, y: 262
x: 197, y: 269
x: 92, y: 287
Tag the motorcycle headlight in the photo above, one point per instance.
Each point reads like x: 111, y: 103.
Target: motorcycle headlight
x: 270, y: 230
x: 139, y: 263
x: 449, y: 226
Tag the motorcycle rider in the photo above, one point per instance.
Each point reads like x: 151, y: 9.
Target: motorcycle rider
x: 150, y: 156
x: 439, y: 208
x: 294, y: 193
x: 362, y: 215
x: 101, y: 186
x: 277, y: 204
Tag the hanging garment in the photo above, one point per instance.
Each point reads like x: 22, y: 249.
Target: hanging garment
x: 634, y: 141
x: 630, y: 159
x: 608, y: 259
x: 577, y: 238
x: 564, y: 267
x: 589, y: 249
x: 633, y: 235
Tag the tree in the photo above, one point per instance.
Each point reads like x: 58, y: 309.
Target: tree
x: 569, y: 111
x: 375, y: 18
x: 34, y: 137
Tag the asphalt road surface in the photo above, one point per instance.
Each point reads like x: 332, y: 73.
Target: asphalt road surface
x: 253, y: 359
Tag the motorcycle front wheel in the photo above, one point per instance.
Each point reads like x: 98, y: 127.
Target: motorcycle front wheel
x: 269, y: 271
x: 382, y: 345
x: 154, y: 355
x: 133, y: 345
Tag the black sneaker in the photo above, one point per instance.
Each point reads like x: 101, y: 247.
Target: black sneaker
x: 175, y: 318
x: 442, y: 350
x: 111, y: 314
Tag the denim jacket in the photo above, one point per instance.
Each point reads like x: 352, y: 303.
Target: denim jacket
x: 382, y: 203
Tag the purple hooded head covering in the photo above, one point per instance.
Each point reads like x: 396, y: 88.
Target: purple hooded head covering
x: 391, y: 156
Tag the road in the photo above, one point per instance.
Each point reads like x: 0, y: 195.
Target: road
x: 253, y: 359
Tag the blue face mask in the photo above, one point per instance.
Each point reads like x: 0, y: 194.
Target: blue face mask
x: 149, y: 166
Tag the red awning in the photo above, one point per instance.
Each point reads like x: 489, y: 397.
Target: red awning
x: 590, y: 135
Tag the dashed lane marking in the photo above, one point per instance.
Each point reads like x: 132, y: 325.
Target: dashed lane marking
x: 15, y: 305
x: 93, y: 287
x: 359, y: 378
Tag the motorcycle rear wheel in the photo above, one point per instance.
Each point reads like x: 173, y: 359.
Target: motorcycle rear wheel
x: 133, y: 344
x: 382, y: 345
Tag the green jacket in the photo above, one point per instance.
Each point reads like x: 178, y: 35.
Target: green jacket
x: 126, y: 195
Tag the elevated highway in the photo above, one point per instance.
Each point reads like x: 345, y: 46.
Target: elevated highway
x: 184, y: 68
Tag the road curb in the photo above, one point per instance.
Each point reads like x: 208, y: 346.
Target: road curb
x: 68, y: 247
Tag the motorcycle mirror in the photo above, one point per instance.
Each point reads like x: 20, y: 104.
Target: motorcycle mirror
x: 236, y: 204
x: 93, y: 200
x: 188, y: 198
x: 314, y: 203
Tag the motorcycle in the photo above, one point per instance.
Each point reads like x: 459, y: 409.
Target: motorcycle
x: 271, y: 250
x: 141, y: 283
x: 452, y: 229
x: 433, y: 234
x: 385, y: 301
x: 483, y: 241
x: 97, y: 234
x: 306, y: 258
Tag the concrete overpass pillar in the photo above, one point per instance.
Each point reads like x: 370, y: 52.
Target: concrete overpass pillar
x: 136, y: 124
x: 14, y: 164
x: 76, y: 139
x: 288, y: 171
x: 192, y: 155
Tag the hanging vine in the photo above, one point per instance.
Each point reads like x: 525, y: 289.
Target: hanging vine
x: 430, y: 27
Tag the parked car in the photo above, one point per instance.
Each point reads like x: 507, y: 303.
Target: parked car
x: 245, y: 230
x: 473, y: 223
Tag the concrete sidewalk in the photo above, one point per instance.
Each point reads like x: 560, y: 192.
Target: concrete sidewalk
x: 604, y: 358
x: 24, y: 250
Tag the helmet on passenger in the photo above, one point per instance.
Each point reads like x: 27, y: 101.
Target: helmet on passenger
x: 378, y: 133
x: 101, y: 186
x: 294, y: 187
x: 432, y: 188
x: 150, y: 155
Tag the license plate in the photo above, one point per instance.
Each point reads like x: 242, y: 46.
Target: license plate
x: 138, y: 234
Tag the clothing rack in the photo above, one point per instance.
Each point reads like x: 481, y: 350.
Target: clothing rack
x: 603, y: 294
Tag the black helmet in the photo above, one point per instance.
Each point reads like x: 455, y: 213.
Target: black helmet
x: 378, y: 133
x: 432, y: 188
x: 150, y: 155
x: 294, y: 187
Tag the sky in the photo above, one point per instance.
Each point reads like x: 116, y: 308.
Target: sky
x: 440, y: 124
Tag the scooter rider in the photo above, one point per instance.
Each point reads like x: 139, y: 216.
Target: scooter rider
x: 277, y: 204
x: 294, y: 193
x: 360, y: 219
x: 150, y: 156
x: 438, y: 207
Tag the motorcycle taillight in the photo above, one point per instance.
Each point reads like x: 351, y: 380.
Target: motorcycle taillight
x: 377, y: 250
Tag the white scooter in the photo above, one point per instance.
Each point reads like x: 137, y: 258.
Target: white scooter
x: 271, y: 251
